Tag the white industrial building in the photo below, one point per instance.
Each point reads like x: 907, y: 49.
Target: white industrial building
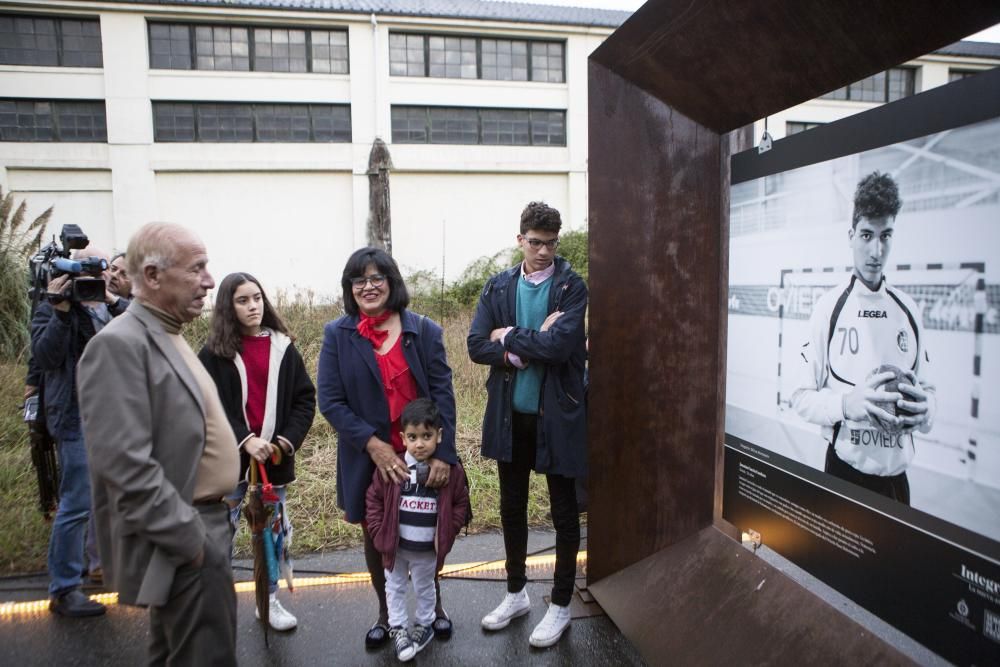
x: 252, y: 121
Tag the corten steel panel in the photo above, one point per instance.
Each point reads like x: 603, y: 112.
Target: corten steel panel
x: 655, y: 294
x: 709, y: 601
x: 728, y: 63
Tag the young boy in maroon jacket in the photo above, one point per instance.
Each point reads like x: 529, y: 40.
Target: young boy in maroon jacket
x: 414, y: 527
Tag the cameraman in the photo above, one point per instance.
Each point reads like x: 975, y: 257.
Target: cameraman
x: 60, y: 330
x: 119, y: 283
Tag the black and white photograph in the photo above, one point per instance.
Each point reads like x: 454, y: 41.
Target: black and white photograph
x: 864, y: 313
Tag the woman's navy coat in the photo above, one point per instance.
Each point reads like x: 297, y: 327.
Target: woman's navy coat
x: 351, y: 397
x: 562, y: 417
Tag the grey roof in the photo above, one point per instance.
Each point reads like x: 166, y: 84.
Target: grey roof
x: 971, y: 49
x: 463, y: 9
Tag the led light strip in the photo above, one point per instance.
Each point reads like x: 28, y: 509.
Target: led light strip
x: 38, y: 607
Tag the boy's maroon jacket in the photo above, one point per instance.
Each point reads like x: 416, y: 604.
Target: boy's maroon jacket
x: 382, y: 515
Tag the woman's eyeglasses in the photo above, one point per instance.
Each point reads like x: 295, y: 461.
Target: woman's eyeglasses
x: 376, y: 279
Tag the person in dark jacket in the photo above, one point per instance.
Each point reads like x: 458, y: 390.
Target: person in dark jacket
x: 414, y: 527
x: 268, y: 398
x: 529, y: 329
x: 60, y: 330
x: 374, y: 360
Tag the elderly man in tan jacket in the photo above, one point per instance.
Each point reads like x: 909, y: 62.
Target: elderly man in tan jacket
x: 163, y: 456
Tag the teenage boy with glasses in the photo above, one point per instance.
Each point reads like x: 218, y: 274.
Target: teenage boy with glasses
x: 529, y: 328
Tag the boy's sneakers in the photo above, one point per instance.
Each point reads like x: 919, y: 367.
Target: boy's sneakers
x: 404, y: 647
x: 513, y: 605
x: 551, y: 628
x: 278, y: 617
x: 421, y: 636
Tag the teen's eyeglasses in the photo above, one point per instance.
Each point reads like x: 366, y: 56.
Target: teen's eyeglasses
x: 536, y: 244
x: 376, y: 279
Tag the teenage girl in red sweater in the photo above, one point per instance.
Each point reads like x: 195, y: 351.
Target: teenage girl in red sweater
x: 268, y: 396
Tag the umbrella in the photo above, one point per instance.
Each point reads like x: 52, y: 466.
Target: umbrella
x: 257, y: 514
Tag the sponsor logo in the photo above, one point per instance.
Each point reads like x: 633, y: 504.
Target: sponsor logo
x: 873, y: 314
x: 865, y: 438
x: 961, y: 615
x: 991, y: 586
x: 795, y: 300
x: 991, y: 625
x: 902, y: 340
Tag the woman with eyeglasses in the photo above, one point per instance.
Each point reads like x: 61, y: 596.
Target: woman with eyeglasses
x: 375, y: 359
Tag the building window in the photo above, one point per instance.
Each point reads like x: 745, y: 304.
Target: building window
x: 547, y: 61
x: 406, y: 55
x: 453, y: 125
x: 173, y: 121
x: 887, y: 86
x: 50, y: 41
x: 452, y: 57
x: 795, y: 126
x: 505, y: 59
x: 280, y: 50
x: 506, y: 127
x: 469, y: 125
x: 409, y: 125
x: 53, y: 120
x: 329, y: 51
x: 170, y: 46
x: 239, y: 48
x: 212, y: 122
x: 548, y: 128
x: 222, y: 48
x: 959, y: 74
x: 463, y: 57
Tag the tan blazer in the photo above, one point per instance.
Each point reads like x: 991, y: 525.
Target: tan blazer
x: 144, y: 428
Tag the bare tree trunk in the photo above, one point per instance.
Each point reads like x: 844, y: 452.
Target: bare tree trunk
x: 379, y: 218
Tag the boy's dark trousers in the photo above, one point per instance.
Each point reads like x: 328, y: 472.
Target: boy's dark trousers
x: 514, y: 478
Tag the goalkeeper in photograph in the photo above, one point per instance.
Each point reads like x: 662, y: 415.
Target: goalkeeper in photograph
x: 864, y: 371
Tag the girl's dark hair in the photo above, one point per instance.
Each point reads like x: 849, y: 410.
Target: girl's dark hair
x: 399, y: 298
x: 421, y: 412
x: 225, y: 338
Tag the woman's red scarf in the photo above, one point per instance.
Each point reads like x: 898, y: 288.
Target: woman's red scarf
x: 366, y: 327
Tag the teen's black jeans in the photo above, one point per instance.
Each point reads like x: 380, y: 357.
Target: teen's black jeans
x: 514, y: 478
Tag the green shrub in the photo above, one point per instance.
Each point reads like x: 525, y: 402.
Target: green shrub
x: 18, y: 241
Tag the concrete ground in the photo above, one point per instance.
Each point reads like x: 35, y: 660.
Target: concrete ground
x: 333, y: 620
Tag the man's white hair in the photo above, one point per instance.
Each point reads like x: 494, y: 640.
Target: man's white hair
x: 155, y: 244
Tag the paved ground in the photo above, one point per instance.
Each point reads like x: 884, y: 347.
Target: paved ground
x: 332, y: 622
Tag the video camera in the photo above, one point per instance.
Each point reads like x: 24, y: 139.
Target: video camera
x: 53, y: 260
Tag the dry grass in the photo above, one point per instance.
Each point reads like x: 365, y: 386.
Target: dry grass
x: 312, y: 499
x: 24, y: 543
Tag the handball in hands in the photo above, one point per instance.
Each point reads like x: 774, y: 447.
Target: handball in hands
x: 891, y: 386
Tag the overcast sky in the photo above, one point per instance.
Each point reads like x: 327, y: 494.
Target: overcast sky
x: 988, y: 35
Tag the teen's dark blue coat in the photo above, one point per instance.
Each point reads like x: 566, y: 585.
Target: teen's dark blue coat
x: 351, y: 397
x: 562, y: 415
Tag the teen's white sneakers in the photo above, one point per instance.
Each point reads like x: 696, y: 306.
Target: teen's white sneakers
x: 513, y: 605
x: 551, y: 628
x: 278, y: 617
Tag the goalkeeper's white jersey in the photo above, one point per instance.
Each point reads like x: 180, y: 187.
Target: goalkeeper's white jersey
x: 852, y: 331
